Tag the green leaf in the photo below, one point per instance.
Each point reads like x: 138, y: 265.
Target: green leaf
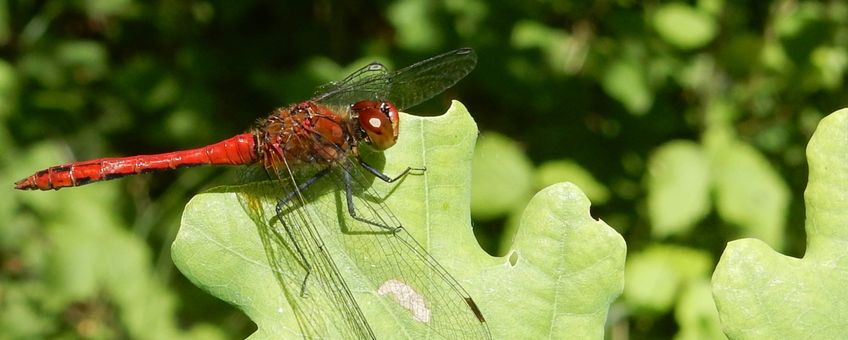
x: 88, y: 60
x: 565, y: 269
x: 696, y: 312
x: 501, y: 178
x: 552, y: 172
x: 763, y: 294
x: 684, y: 26
x: 530, y: 34
x: 678, y: 188
x: 656, y: 275
x: 749, y: 191
x: 563, y: 52
x: 830, y: 62
x: 420, y: 34
x: 625, y: 80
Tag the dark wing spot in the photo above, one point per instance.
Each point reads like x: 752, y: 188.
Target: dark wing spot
x: 475, y: 309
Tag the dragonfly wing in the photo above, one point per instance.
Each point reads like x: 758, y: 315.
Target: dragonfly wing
x: 423, y: 80
x: 406, y: 87
x: 407, y: 279
x: 322, y: 302
x: 367, y: 83
x: 352, y: 264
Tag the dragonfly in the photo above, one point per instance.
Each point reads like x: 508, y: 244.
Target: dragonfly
x: 305, y: 150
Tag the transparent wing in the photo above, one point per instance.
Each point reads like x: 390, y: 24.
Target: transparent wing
x: 368, y: 83
x: 406, y: 87
x: 421, y: 293
x: 415, y: 297
x: 288, y: 239
x: 424, y: 80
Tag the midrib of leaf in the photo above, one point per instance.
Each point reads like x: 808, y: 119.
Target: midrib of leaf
x: 426, y: 192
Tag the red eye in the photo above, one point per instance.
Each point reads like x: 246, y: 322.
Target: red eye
x: 379, y: 120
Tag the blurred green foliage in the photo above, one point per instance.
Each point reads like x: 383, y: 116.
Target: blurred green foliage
x: 684, y: 122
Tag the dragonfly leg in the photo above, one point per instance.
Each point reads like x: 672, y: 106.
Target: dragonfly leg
x: 385, y: 178
x: 300, y: 188
x: 351, y: 210
x: 279, y: 210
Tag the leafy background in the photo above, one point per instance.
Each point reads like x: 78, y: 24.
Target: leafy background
x: 684, y: 122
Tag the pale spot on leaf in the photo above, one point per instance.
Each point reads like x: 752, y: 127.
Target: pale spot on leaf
x: 407, y: 297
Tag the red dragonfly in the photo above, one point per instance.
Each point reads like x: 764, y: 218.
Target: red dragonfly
x: 317, y: 141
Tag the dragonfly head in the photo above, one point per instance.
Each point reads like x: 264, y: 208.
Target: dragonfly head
x: 379, y: 120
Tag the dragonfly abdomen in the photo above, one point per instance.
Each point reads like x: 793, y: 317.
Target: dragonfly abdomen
x: 237, y: 150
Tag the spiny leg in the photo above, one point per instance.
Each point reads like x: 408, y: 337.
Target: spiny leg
x: 385, y: 178
x: 348, y: 182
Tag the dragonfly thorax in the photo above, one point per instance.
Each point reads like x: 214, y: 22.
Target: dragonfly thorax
x: 305, y: 133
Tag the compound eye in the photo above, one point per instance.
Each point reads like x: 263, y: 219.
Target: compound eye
x: 379, y: 120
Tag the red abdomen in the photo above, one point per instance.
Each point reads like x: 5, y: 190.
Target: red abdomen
x: 238, y: 150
